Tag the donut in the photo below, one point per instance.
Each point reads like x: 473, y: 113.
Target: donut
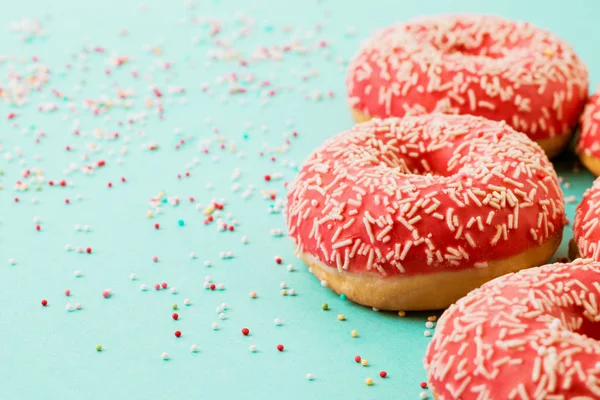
x: 588, y: 145
x: 534, y: 334
x: 586, y: 228
x: 472, y: 64
x: 412, y: 213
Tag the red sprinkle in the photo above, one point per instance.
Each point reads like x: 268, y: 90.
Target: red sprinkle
x: 157, y: 286
x: 38, y: 228
x: 44, y: 302
x: 88, y: 250
x: 267, y: 178
x: 245, y: 331
x: 106, y: 294
x: 175, y: 316
x: 213, y: 286
x: 123, y: 179
x: 231, y: 228
x: 280, y: 347
x: 278, y: 260
x: 109, y: 184
x: 155, y: 258
x: 383, y: 374
x: 156, y: 226
x: 164, y: 285
x: 67, y: 292
x: 178, y: 333
x: 424, y: 385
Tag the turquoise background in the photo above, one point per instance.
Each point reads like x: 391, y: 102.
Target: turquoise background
x: 48, y: 353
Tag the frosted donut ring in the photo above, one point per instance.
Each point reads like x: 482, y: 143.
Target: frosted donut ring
x: 472, y: 64
x: 588, y: 146
x: 412, y: 213
x: 534, y: 334
x: 586, y: 228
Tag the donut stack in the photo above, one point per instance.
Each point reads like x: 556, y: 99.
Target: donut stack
x: 443, y: 196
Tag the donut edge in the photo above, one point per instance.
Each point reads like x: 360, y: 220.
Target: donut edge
x: 390, y: 294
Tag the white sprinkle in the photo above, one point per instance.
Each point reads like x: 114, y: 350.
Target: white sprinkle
x: 12, y: 261
x: 253, y: 348
x: 194, y: 348
x: 277, y: 321
x: 132, y: 276
x: 77, y: 273
x: 143, y: 287
x: 187, y: 302
x: 324, y: 283
x: 69, y: 307
x: 427, y: 333
x: 164, y: 356
x: 215, y: 326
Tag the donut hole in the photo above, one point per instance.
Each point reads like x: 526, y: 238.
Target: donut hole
x: 468, y: 45
x: 590, y: 329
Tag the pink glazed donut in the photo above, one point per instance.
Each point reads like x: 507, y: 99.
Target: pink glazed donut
x: 529, y: 335
x: 586, y: 228
x: 413, y: 213
x: 472, y: 64
x: 588, y: 146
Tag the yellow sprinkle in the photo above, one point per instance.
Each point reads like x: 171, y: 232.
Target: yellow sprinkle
x: 161, y: 194
x: 433, y: 318
x: 253, y: 295
x: 369, y: 381
x: 148, y: 102
x: 284, y: 292
x: 209, y: 210
x: 548, y: 52
x: 149, y: 214
x: 1, y: 187
x: 402, y: 313
x: 354, y: 333
x: 364, y: 362
x: 341, y: 317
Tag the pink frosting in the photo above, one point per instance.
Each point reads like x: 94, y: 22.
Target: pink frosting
x: 586, y: 228
x: 424, y: 194
x: 589, y: 140
x: 480, y: 65
x: 529, y: 335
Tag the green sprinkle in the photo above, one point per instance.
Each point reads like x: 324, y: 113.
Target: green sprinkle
x: 180, y: 222
x: 99, y: 347
x: 164, y: 200
x: 325, y: 306
x: 175, y: 307
x: 245, y: 136
x: 342, y: 296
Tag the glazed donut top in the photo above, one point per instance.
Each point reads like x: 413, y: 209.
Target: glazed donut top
x: 586, y: 228
x: 530, y: 335
x: 425, y: 193
x: 467, y: 64
x: 589, y: 139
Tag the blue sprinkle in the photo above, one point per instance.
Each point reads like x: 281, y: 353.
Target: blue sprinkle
x: 180, y: 222
x: 342, y: 296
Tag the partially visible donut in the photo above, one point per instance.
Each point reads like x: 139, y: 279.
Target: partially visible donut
x: 586, y: 228
x: 412, y: 213
x: 588, y: 146
x: 532, y: 335
x: 467, y: 64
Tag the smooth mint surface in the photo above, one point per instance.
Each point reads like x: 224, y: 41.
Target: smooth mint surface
x: 296, y: 54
